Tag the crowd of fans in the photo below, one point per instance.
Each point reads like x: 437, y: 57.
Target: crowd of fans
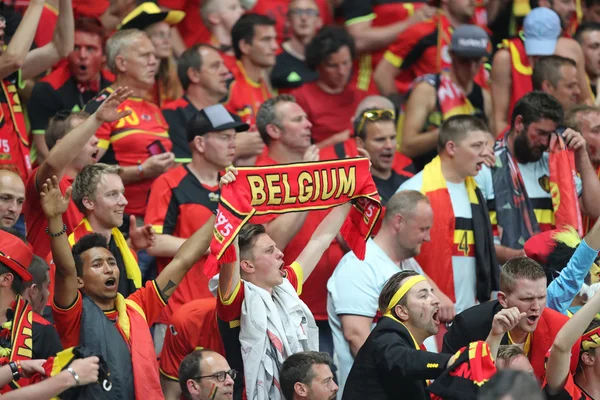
x: 186, y: 210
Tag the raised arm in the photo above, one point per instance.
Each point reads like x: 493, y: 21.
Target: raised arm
x: 501, y: 82
x: 67, y: 148
x: 15, y: 53
x: 558, y: 366
x: 54, y: 205
x: 420, y: 104
x: 322, y: 238
x: 187, y: 255
x: 39, y: 60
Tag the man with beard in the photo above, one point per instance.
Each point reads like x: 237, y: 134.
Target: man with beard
x: 308, y: 376
x: 517, y: 188
x: 465, y: 266
x: 522, y: 286
x: 204, y: 77
x: 70, y: 86
x: 586, y: 119
x: 354, y: 287
x: 392, y: 363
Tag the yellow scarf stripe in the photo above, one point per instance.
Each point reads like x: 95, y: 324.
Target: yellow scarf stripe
x: 433, y: 180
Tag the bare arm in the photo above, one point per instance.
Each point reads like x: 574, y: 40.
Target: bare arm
x: 55, y: 205
x: 504, y: 253
x: 16, y: 52
x: 356, y: 329
x: 560, y: 355
x: 41, y: 148
x: 501, y: 86
x: 67, y: 148
x: 189, y: 254
x: 385, y: 77
x: 321, y: 239
x: 283, y: 228
x: 229, y: 274
x: 488, y: 110
x: 171, y: 389
x: 421, y: 103
x: 165, y: 246
x: 177, y: 44
x: 39, y: 60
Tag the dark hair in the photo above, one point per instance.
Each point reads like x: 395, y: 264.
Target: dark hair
x: 60, y: 124
x: 586, y: 27
x: 516, y: 384
x: 190, y: 368
x: 38, y: 270
x: 247, y: 237
x: 519, y: 268
x: 327, y: 41
x: 15, y: 232
x: 243, y: 29
x: 87, y: 242
x: 91, y: 26
x: 267, y: 114
x: 535, y: 106
x: 457, y: 127
x: 391, y: 287
x: 298, y: 368
x: 547, y: 68
x: 191, y: 58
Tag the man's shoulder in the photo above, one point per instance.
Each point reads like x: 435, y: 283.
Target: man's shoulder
x: 176, y: 104
x: 481, y: 314
x: 413, y: 183
x: 56, y: 79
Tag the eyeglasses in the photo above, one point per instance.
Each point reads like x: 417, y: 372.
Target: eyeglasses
x: 219, y: 376
x: 309, y: 12
x: 375, y: 115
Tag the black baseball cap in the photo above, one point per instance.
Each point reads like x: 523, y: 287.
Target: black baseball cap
x: 214, y: 119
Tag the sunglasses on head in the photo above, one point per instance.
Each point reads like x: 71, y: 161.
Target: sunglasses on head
x: 376, y: 115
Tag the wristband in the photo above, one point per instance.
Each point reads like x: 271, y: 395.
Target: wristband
x: 75, y: 376
x: 140, y: 169
x: 15, y: 371
x: 64, y: 230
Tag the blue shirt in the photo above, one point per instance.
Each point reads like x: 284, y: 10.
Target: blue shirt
x: 567, y: 285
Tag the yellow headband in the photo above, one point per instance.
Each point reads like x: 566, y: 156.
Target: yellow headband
x: 402, y: 290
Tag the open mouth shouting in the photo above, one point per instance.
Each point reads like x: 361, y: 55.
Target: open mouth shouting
x: 435, y: 316
x: 111, y: 283
x: 532, y: 319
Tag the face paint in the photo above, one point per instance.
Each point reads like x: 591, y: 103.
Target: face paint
x: 213, y: 392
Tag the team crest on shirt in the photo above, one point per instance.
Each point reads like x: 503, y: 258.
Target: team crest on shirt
x: 214, y: 196
x: 172, y: 329
x: 544, y: 182
x: 146, y: 117
x: 102, y: 97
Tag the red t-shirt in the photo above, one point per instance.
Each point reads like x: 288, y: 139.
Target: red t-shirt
x: 68, y: 320
x: 191, y: 28
x: 179, y: 205
x: 35, y: 220
x: 570, y: 391
x: 328, y: 113
x: 127, y: 139
x: 246, y: 96
x: 314, y: 293
x: 193, y: 327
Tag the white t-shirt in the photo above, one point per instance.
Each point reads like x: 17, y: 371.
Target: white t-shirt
x: 354, y: 289
x: 463, y: 252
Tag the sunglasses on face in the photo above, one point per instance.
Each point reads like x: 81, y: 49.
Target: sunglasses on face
x: 219, y: 376
x: 376, y: 115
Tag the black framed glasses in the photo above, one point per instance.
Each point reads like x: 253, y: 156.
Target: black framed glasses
x: 376, y: 115
x: 219, y: 376
x: 309, y: 12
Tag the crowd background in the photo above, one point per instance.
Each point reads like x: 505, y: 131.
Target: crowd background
x: 122, y: 120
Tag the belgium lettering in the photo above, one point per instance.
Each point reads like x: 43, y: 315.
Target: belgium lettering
x: 324, y: 184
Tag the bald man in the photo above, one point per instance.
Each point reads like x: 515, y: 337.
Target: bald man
x: 12, y: 197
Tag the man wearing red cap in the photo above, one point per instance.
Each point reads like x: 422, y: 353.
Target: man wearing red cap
x: 24, y: 335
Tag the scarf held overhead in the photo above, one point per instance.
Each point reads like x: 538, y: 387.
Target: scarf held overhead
x: 284, y: 188
x: 436, y: 255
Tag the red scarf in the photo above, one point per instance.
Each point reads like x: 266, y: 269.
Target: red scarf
x: 20, y: 339
x: 296, y: 187
x: 453, y: 100
x: 521, y: 72
x: 565, y: 199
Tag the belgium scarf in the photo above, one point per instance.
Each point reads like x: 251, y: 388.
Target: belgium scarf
x: 521, y: 71
x: 436, y: 256
x: 19, y: 331
x: 131, y: 265
x: 473, y: 367
x: 133, y: 326
x: 284, y: 188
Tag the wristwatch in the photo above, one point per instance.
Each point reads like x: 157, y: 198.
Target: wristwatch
x: 15, y: 370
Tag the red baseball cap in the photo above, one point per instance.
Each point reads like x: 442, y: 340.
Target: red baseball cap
x: 15, y: 254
